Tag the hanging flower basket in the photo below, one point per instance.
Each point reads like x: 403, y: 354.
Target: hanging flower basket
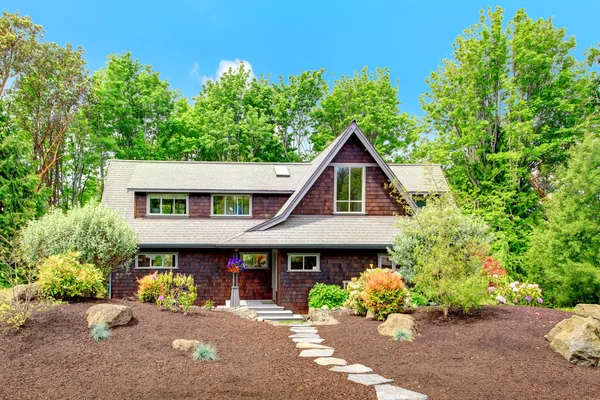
x: 235, y: 265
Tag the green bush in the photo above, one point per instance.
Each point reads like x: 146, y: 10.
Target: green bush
x: 384, y: 294
x: 321, y: 295
x: 209, y: 305
x: 100, y: 331
x: 403, y: 335
x: 99, y: 234
x: 417, y: 299
x: 205, y: 352
x: 168, y: 291
x: 62, y: 276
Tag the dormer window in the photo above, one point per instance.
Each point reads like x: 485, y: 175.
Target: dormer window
x: 167, y: 204
x: 231, y: 205
x: 349, y: 190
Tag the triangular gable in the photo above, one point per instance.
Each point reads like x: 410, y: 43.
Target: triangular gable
x: 318, y: 166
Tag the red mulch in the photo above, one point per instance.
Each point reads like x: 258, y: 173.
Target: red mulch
x: 496, y: 353
x: 52, y: 357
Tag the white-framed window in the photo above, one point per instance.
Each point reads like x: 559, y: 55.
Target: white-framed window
x: 306, y: 262
x: 384, y: 261
x: 167, y: 204
x: 157, y: 261
x: 255, y: 260
x: 231, y: 205
x: 349, y: 189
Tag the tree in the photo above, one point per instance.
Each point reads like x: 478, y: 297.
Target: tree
x: 371, y: 100
x: 504, y: 110
x: 441, y: 251
x: 102, y: 237
x: 564, y: 254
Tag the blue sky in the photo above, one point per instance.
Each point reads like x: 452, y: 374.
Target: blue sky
x: 187, y: 40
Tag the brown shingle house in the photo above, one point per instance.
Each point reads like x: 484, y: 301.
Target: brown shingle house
x: 294, y: 224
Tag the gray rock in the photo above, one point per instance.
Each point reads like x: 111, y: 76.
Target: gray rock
x: 305, y: 335
x: 311, y: 346
x: 588, y: 310
x: 325, y: 307
x: 396, y: 321
x: 319, y: 316
x: 330, y: 361
x: 111, y: 314
x: 369, y: 379
x: 244, y: 312
x: 307, y: 340
x: 577, y: 339
x: 352, y: 369
x: 184, y: 345
x: 391, y: 392
x: 304, y: 330
x: 317, y: 353
x: 370, y: 315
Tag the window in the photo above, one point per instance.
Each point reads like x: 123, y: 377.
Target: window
x: 231, y: 205
x: 349, y: 189
x: 167, y: 204
x: 255, y: 260
x: 156, y: 261
x: 384, y: 261
x: 304, y: 262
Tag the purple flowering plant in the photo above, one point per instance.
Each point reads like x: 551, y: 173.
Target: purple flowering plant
x: 235, y: 265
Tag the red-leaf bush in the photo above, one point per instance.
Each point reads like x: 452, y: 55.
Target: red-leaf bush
x: 384, y: 294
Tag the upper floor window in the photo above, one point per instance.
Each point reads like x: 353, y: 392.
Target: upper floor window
x: 349, y: 189
x: 231, y: 205
x: 167, y: 204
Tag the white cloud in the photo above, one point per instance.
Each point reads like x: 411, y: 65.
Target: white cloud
x: 224, y: 66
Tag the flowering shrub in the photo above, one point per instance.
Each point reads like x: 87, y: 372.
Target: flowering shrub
x: 517, y: 293
x: 321, y: 295
x: 384, y: 293
x: 492, y: 268
x: 235, y: 265
x: 168, y: 291
x: 62, y: 276
x: 355, y: 289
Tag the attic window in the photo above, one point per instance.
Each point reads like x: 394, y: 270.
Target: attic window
x: 282, y: 171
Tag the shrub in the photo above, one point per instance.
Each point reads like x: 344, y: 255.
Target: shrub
x: 62, y: 276
x: 355, y: 289
x: 100, y: 331
x: 209, y: 305
x: 384, y: 293
x: 168, y: 291
x: 205, y: 352
x: 403, y: 335
x: 99, y: 234
x: 321, y: 295
x: 516, y: 293
x: 149, y: 288
x: 417, y: 299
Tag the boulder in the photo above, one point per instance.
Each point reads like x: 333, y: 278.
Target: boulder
x: 184, y: 345
x: 320, y: 316
x: 111, y: 314
x: 370, y: 315
x: 577, y: 339
x: 588, y: 310
x: 395, y: 321
x: 244, y: 312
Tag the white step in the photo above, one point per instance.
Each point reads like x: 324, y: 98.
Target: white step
x: 293, y: 317
x: 278, y: 313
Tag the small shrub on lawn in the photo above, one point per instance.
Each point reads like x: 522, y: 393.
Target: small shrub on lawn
x: 205, y: 352
x: 384, y: 294
x: 402, y: 335
x: 62, y: 276
x: 209, y: 305
x: 100, y: 331
x: 321, y: 295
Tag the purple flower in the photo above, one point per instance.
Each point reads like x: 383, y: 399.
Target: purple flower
x: 539, y: 300
x: 528, y: 298
x: 501, y: 299
x: 161, y: 297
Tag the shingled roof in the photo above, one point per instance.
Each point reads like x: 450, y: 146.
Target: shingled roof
x: 124, y: 178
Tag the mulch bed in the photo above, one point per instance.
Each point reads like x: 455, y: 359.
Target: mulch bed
x: 52, y: 357
x: 496, y: 353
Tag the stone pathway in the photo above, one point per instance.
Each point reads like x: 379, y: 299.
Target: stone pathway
x: 307, y: 339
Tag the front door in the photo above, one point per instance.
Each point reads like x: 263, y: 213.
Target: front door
x: 255, y: 281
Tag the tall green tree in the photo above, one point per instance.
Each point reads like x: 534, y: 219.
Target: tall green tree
x: 371, y: 99
x: 564, y: 256
x: 503, y: 110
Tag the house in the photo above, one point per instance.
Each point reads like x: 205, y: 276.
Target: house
x: 294, y: 224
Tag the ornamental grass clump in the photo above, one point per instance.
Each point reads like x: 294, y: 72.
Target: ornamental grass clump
x: 384, y: 294
x: 403, y: 335
x: 205, y: 352
x: 321, y: 295
x: 100, y: 331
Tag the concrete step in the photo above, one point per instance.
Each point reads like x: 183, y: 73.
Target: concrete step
x: 293, y: 317
x: 278, y: 313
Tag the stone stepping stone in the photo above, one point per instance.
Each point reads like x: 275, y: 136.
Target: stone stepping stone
x: 307, y: 340
x: 304, y: 330
x: 299, y: 325
x: 368, y: 379
x: 391, y: 392
x: 352, y: 369
x: 312, y: 346
x: 305, y: 335
x: 330, y: 361
x: 318, y: 353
